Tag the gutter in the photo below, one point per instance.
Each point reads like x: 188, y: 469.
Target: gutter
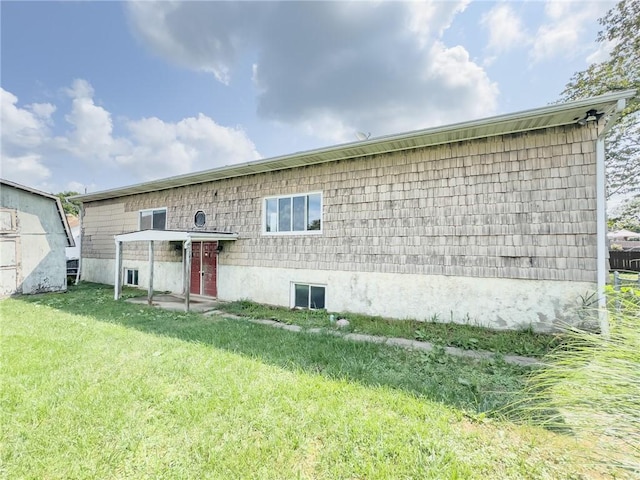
x: 601, y: 216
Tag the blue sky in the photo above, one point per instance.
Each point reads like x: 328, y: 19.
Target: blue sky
x: 98, y: 95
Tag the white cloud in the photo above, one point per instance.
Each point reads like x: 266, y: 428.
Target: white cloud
x: 75, y: 186
x: 564, y: 34
x: 602, y: 53
x: 24, y: 130
x: 505, y: 27
x: 192, y: 144
x: 27, y: 170
x: 91, y: 136
x: 151, y: 148
x: 23, y: 127
x: 328, y: 68
x: 429, y: 20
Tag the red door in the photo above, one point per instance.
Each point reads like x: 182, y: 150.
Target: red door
x: 204, y: 268
x: 195, y: 267
x: 209, y: 268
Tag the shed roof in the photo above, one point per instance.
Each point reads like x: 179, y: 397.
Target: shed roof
x: 527, y: 120
x: 60, y: 210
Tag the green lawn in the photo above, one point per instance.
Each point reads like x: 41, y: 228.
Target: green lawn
x: 466, y: 335
x: 93, y: 388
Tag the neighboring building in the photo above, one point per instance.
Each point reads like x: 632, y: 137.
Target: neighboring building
x: 498, y: 222
x: 33, y: 235
x: 73, y: 253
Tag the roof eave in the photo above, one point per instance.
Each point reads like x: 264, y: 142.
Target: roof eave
x: 483, y: 128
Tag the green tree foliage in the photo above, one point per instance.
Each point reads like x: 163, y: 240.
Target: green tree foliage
x: 628, y: 218
x: 71, y: 207
x: 621, y: 28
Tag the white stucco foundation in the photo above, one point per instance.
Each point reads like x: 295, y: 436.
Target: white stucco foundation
x: 167, y: 275
x: 492, y: 302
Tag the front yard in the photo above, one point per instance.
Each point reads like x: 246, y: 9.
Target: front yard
x: 93, y: 388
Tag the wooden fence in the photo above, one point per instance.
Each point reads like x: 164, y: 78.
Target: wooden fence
x: 621, y: 260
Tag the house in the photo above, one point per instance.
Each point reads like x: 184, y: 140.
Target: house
x: 499, y: 222
x: 33, y: 235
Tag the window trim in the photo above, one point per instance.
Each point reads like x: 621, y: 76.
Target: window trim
x: 204, y: 219
x: 126, y: 279
x: 292, y: 232
x: 140, y: 212
x: 306, y: 284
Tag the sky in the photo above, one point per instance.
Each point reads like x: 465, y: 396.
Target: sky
x: 99, y: 95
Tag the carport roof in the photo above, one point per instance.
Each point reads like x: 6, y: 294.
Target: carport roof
x: 538, y: 118
x: 174, y: 236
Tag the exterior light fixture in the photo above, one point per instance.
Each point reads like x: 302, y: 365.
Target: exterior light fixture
x: 591, y: 116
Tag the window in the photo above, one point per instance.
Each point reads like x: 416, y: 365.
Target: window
x: 293, y: 214
x: 308, y: 296
x: 199, y: 219
x: 153, y: 219
x: 131, y: 276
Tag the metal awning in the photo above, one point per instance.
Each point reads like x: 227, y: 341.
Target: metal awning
x: 174, y: 236
x: 152, y: 236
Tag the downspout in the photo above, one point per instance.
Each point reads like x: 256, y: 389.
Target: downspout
x: 601, y: 220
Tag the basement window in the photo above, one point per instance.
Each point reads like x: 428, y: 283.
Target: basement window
x: 155, y: 219
x: 308, y: 296
x: 131, y: 276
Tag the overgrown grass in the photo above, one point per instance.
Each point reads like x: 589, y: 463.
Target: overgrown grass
x: 593, y: 389
x: 93, y: 388
x: 521, y: 342
x: 475, y: 387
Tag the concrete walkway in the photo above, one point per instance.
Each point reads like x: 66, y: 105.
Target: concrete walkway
x: 207, y: 306
x: 396, y: 342
x: 169, y: 301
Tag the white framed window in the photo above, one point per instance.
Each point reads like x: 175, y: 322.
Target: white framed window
x: 153, y: 219
x: 308, y: 296
x: 131, y: 276
x: 293, y: 214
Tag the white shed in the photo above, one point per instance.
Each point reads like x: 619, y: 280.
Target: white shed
x: 34, y: 233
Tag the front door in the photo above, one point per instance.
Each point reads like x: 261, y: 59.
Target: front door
x: 204, y: 268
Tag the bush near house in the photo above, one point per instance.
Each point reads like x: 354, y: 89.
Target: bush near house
x: 592, y: 388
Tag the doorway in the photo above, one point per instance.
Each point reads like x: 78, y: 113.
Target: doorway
x: 204, y: 268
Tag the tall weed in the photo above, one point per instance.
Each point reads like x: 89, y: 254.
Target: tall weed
x: 592, y: 388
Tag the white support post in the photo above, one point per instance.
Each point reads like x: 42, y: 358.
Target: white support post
x: 601, y: 235
x: 150, y: 295
x: 117, y: 290
x: 187, y: 273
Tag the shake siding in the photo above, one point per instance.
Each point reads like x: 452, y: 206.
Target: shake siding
x: 515, y: 206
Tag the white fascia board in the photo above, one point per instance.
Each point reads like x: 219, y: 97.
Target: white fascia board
x: 533, y: 119
x: 173, y: 236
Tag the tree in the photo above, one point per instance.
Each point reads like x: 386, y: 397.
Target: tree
x: 627, y: 218
x: 621, y: 28
x: 71, y: 207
